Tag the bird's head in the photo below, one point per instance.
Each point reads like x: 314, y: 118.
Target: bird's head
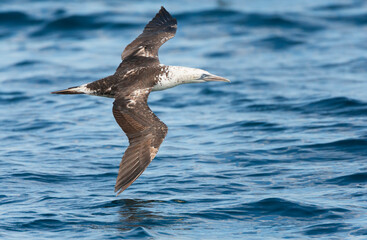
x: 176, y: 75
x: 204, y: 76
x: 196, y: 75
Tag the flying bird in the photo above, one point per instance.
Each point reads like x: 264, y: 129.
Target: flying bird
x: 140, y: 73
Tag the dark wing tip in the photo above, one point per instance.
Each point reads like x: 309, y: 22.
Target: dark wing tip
x: 162, y: 18
x: 163, y: 11
x: 158, y: 31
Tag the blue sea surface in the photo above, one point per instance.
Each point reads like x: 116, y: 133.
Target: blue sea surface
x: 279, y: 153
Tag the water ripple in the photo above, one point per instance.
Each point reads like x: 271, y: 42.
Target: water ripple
x: 273, y: 207
x: 70, y: 25
x: 17, y: 19
x: 277, y: 42
x: 327, y: 228
x: 349, y: 179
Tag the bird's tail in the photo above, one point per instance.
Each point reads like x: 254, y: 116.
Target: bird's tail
x: 72, y: 90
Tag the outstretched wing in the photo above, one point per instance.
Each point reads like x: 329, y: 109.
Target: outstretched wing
x: 145, y: 133
x: 158, y: 31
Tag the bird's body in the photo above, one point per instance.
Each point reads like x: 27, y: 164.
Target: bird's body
x: 139, y: 73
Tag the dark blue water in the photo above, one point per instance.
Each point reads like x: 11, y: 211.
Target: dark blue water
x: 281, y: 152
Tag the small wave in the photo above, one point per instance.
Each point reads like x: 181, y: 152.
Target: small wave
x: 350, y: 145
x: 353, y: 65
x: 337, y: 6
x: 95, y: 176
x: 335, y: 126
x: 259, y: 83
x: 278, y: 21
x: 36, y: 124
x: 265, y: 174
x: 353, y: 146
x: 329, y: 106
x: 26, y: 63
x: 349, y: 179
x: 41, y: 177
x: 210, y: 91
x: 277, y: 43
x: 13, y: 97
x: 254, y: 20
x: 334, y: 103
x: 17, y: 18
x: 75, y: 22
x: 270, y: 107
x: 10, y: 200
x: 274, y: 207
x: 359, y: 232
x: 44, y: 224
x: 326, y: 228
x: 354, y: 19
x: 337, y: 106
x: 207, y: 15
x: 252, y: 125
x: 241, y: 101
x: 137, y: 233
x: 220, y: 54
x: 80, y: 22
x: 11, y: 93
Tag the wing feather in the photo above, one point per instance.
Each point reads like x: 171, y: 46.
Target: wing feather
x: 145, y: 133
x: 158, y: 31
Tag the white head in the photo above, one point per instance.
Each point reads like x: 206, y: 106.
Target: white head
x: 194, y: 75
x: 176, y: 75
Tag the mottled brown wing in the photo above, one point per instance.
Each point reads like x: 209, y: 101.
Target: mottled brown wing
x: 158, y: 31
x: 145, y: 133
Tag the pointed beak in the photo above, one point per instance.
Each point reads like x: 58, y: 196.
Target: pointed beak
x: 215, y: 78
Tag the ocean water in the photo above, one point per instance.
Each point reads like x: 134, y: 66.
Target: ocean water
x: 279, y: 153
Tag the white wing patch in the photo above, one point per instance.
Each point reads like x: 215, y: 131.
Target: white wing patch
x: 153, y: 152
x: 84, y: 89
x: 132, y: 71
x: 142, y: 52
x: 133, y: 96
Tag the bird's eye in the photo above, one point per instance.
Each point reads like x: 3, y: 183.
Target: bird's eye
x: 204, y: 76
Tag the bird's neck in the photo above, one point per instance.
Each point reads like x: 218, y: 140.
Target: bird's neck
x: 171, y: 76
